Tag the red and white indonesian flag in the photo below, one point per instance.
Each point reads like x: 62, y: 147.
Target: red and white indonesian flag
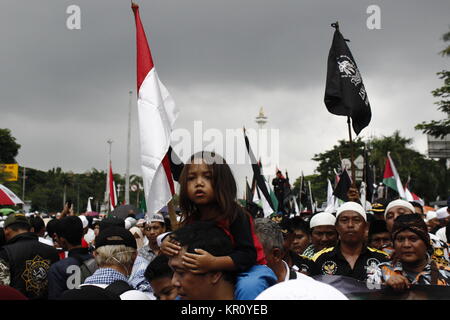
x: 411, y: 196
x: 157, y: 114
x: 7, y: 197
x: 112, y: 189
x: 391, y: 177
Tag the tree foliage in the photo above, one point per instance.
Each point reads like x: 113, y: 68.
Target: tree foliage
x: 9, y: 148
x: 428, y: 178
x: 45, y: 189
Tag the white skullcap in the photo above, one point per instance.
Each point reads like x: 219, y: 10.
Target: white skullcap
x: 84, y: 220
x: 399, y: 203
x: 431, y: 215
x: 131, y: 222
x: 140, y: 222
x: 156, y: 217
x: 302, y: 288
x: 442, y: 213
x: 352, y: 206
x: 322, y: 219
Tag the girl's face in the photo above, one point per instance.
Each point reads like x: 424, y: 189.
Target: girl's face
x: 199, y: 184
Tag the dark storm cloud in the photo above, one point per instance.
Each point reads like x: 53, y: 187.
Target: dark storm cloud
x: 67, y: 90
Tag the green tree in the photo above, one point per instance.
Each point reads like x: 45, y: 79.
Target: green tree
x: 330, y: 160
x: 318, y: 187
x: 442, y: 127
x: 428, y: 177
x: 9, y: 148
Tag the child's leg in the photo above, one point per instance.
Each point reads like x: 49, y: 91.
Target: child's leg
x: 254, y: 281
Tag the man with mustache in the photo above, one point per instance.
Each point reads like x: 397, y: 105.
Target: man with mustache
x: 351, y: 256
x: 412, y: 263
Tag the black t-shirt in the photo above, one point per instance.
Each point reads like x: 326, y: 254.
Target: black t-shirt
x: 330, y: 261
x: 303, y: 264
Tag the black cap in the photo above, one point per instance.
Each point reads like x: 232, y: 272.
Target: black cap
x: 378, y: 208
x: 110, y: 222
x: 115, y: 236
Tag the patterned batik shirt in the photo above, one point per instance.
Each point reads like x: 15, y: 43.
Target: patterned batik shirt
x: 385, y: 270
x: 441, y: 251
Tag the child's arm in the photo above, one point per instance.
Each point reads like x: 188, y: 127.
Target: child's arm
x: 242, y: 257
x: 244, y: 254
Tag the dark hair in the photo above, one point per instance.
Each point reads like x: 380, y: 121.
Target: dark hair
x: 51, y: 227
x: 19, y: 226
x: 71, y: 229
x: 36, y: 223
x: 295, y: 223
x: 382, y: 201
x: 2, y: 237
x: 209, y: 237
x: 158, y: 268
x: 223, y: 182
x: 167, y: 224
x: 417, y: 205
x: 90, y: 220
x: 370, y: 218
x: 377, y: 226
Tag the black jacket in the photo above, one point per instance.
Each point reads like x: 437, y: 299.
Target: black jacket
x: 29, y: 262
x: 330, y: 261
x: 60, y: 272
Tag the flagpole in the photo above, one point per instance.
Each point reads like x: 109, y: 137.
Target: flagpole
x: 108, y: 176
x: 246, y: 184
x: 127, y: 174
x: 310, y: 197
x: 300, y: 192
x: 351, y: 152
x: 23, y: 185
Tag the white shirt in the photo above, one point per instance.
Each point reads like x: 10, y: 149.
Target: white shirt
x: 299, y: 274
x: 46, y: 241
x: 304, y: 288
x: 441, y: 234
x: 127, y: 295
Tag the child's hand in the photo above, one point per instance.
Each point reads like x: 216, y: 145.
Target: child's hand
x: 201, y: 262
x: 170, y: 247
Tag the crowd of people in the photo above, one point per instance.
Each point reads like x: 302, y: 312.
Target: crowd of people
x: 219, y: 251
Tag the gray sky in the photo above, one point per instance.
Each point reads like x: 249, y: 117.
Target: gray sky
x: 64, y: 92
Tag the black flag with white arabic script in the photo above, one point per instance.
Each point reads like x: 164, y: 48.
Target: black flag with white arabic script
x: 345, y: 94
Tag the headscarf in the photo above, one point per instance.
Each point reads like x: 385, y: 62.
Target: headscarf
x: 414, y: 223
